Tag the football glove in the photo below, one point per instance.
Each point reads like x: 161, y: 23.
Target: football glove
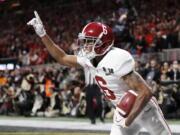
x: 119, y: 120
x: 37, y: 25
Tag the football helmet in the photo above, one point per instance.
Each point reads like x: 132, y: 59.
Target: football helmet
x: 101, y: 37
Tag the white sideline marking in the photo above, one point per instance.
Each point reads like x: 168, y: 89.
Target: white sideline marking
x: 68, y: 125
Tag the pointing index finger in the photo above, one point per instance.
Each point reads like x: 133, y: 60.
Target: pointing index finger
x: 37, y: 16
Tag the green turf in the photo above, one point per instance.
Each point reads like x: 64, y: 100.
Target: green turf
x: 174, y: 121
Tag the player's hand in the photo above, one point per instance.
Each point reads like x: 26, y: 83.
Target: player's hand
x: 37, y: 25
x: 119, y: 120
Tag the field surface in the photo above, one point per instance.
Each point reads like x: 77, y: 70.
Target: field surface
x: 62, y: 126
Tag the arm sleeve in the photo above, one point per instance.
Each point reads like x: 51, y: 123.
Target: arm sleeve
x: 126, y: 66
x: 81, y: 61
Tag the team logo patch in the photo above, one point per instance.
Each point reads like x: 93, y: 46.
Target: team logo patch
x: 108, y: 71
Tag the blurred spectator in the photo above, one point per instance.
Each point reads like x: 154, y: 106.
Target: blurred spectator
x: 120, y: 22
x: 24, y: 58
x: 38, y: 102
x: 3, y: 79
x: 93, y: 99
x: 139, y: 68
x: 174, y: 73
x: 152, y: 73
x: 165, y: 68
x: 6, y: 101
x: 169, y: 101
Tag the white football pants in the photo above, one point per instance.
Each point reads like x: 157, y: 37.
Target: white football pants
x: 151, y: 118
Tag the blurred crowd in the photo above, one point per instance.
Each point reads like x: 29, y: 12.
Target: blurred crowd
x: 62, y: 22
x: 164, y: 79
x: 148, y: 28
x: 139, y: 28
x: 47, y: 91
x: 50, y: 91
x: 59, y: 91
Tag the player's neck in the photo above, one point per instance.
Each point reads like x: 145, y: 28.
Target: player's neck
x: 96, y: 60
x: 99, y: 58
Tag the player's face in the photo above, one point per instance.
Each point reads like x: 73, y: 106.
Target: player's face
x: 88, y: 46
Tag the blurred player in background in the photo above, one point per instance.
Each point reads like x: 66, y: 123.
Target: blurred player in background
x: 113, y: 70
x: 93, y: 99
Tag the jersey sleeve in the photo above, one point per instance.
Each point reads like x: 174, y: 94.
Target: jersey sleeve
x: 81, y: 61
x: 126, y: 65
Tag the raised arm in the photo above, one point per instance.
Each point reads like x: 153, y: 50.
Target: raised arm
x: 56, y: 52
x: 137, y: 83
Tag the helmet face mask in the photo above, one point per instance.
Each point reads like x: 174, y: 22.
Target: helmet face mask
x: 95, y: 40
x: 86, y: 47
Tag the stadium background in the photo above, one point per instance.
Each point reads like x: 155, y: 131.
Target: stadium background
x: 34, y: 86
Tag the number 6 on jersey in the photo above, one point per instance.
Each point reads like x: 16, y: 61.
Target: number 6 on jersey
x: 107, y: 92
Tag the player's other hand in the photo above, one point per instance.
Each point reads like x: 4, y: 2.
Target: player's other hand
x: 37, y: 25
x: 119, y: 119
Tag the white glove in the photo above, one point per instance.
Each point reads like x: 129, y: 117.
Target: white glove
x: 119, y: 120
x: 37, y: 25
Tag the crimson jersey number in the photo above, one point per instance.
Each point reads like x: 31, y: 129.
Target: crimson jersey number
x: 107, y: 92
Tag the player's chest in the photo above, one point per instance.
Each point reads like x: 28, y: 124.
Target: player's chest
x: 106, y: 72
x: 107, y: 79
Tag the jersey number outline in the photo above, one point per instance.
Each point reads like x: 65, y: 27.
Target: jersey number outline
x: 107, y: 92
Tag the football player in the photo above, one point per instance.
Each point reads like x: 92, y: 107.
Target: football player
x: 113, y: 70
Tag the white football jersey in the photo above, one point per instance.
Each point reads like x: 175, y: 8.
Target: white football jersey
x: 115, y: 64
